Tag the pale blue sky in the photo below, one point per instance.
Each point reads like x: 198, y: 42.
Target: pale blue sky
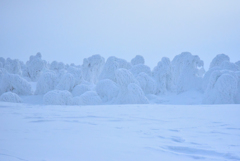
x: 69, y: 31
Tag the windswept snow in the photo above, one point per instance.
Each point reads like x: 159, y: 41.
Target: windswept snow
x: 119, y: 132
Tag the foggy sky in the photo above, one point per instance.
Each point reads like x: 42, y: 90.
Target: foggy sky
x: 69, y: 31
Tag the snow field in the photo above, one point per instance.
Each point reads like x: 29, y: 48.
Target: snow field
x: 119, y: 132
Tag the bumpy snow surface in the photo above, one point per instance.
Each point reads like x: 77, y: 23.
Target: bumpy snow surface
x: 114, y: 109
x: 119, y: 132
x: 117, y: 81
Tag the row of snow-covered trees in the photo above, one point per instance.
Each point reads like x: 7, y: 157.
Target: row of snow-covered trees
x: 116, y: 81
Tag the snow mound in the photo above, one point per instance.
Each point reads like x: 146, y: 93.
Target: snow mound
x: 138, y: 59
x: 13, y: 66
x: 147, y: 83
x: 4, y: 81
x: 130, y: 91
x: 111, y: 65
x: 67, y: 82
x: 162, y: 74
x: 222, y: 88
x: 107, y: 89
x: 14, y: 83
x: 46, y: 82
x: 80, y: 89
x: 224, y: 65
x: 10, y: 97
x: 57, y: 66
x: 77, y: 73
x: 34, y: 66
x: 87, y: 98
x: 58, y: 97
x: 218, y: 60
x: 19, y: 85
x: 124, y: 77
x: 186, y: 72
x: 136, y: 69
x: 132, y: 95
x: 92, y: 68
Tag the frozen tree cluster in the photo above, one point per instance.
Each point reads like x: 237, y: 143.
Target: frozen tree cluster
x: 116, y: 81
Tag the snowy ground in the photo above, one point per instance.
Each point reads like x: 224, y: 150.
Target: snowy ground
x: 119, y: 132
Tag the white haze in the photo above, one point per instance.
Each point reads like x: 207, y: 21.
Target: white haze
x: 69, y: 31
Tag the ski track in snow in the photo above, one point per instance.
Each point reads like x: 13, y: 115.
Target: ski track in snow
x: 119, y: 132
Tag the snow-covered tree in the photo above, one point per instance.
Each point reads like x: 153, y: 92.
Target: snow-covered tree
x: 218, y: 60
x: 87, y: 98
x: 147, y: 83
x: 14, y: 83
x: 130, y: 91
x: 81, y: 88
x: 92, y: 67
x: 186, y: 72
x: 34, y: 66
x: 138, y: 59
x: 222, y: 88
x: 13, y: 66
x: 46, y: 82
x: 2, y: 62
x: 111, y: 65
x: 19, y: 85
x: 10, y: 97
x: 222, y: 65
x: 67, y: 82
x: 58, y: 97
x: 57, y: 66
x: 4, y: 81
x: 139, y: 68
x: 162, y: 75
x: 107, y: 89
x: 77, y: 74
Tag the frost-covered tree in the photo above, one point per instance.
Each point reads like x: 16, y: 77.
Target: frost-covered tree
x: 162, y: 75
x: 218, y: 60
x: 130, y: 91
x: 107, y: 90
x: 222, y: 88
x: 46, y: 82
x: 57, y: 66
x: 138, y: 59
x: 81, y: 88
x: 139, y: 68
x: 34, y: 66
x: 237, y: 96
x: 4, y: 81
x: 223, y: 66
x: 13, y: 66
x: 238, y: 63
x: 14, y: 83
x: 77, y: 74
x: 87, y: 98
x: 109, y: 69
x: 132, y: 95
x: 124, y: 77
x: 58, y: 97
x: 19, y: 85
x: 2, y: 62
x: 147, y: 83
x: 10, y: 97
x: 67, y: 82
x: 111, y: 65
x: 186, y: 72
x: 92, y: 68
